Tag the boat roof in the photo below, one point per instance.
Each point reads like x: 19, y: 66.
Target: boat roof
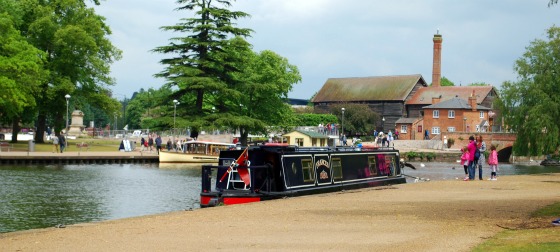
x: 208, y: 143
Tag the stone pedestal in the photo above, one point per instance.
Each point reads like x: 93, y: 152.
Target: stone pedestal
x: 77, y: 126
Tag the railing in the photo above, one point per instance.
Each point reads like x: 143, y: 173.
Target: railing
x: 207, y: 170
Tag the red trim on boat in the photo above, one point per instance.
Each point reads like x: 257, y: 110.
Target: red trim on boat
x: 240, y: 200
x: 204, y: 200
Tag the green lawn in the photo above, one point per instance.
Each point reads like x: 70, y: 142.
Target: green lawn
x: 541, y: 235
x: 94, y: 145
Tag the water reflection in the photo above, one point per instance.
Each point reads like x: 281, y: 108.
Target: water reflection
x: 44, y: 196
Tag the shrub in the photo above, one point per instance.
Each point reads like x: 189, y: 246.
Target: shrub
x: 450, y: 142
x: 431, y: 156
x: 421, y: 155
x: 411, y: 155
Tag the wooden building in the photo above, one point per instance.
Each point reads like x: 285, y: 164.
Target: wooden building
x: 385, y: 95
x: 308, y: 139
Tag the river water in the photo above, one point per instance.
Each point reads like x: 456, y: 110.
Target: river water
x: 45, y: 196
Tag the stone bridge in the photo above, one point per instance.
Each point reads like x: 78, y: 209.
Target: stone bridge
x: 502, y: 141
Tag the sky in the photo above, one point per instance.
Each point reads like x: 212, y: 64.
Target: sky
x: 346, y: 38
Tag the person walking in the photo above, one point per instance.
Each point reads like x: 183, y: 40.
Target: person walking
x: 472, y: 149
x: 465, y: 161
x: 150, y: 142
x: 142, y: 144
x: 62, y: 142
x: 55, y: 144
x: 158, y: 144
x: 493, y: 162
x: 481, y: 146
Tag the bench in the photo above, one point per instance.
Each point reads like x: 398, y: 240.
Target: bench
x: 6, y: 146
x: 82, y: 145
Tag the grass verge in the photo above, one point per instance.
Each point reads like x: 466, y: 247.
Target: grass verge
x: 538, y: 235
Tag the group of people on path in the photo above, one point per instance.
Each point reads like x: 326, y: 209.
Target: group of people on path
x: 149, y: 144
x: 57, y: 141
x: 385, y: 138
x: 473, y: 157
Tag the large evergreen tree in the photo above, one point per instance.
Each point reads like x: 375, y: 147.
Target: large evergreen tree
x: 199, y: 64
x: 531, y: 105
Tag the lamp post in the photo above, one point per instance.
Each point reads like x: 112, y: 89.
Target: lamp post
x: 465, y: 124
x: 175, y: 103
x: 67, y: 96
x: 115, y: 127
x: 342, y: 124
x: 383, y: 125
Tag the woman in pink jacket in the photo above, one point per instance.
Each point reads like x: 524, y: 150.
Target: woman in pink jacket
x: 493, y: 162
x: 472, y: 165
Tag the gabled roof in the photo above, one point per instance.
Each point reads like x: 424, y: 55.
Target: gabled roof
x: 376, y: 88
x: 425, y: 95
x: 454, y: 103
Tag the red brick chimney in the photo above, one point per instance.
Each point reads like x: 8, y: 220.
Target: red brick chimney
x: 436, y: 68
x: 472, y: 101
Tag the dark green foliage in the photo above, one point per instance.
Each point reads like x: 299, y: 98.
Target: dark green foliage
x: 314, y: 119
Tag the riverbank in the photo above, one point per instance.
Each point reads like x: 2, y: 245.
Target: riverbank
x: 429, y: 216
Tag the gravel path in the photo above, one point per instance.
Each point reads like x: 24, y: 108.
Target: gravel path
x: 447, y: 215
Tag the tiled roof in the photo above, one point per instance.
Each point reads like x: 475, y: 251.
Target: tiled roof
x: 404, y: 120
x: 454, y: 103
x: 425, y: 95
x: 377, y: 88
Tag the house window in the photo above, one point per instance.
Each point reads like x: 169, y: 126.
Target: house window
x: 435, y: 130
x: 481, y: 114
x: 299, y: 141
x: 436, y: 114
x: 451, y: 114
x: 450, y: 129
x: 419, y: 128
x: 404, y: 129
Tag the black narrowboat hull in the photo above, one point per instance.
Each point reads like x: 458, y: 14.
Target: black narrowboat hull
x: 278, y: 172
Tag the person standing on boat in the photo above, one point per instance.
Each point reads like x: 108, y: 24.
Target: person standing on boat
x: 169, y: 144
x: 158, y: 143
x: 481, y: 145
x: 472, y: 148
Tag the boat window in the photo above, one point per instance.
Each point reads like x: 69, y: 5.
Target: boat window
x: 372, y: 166
x: 391, y: 163
x: 337, y: 168
x: 307, y: 168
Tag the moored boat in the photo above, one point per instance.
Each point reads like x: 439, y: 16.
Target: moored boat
x: 195, y: 152
x: 278, y: 171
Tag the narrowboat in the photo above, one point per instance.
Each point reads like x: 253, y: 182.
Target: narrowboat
x: 275, y: 171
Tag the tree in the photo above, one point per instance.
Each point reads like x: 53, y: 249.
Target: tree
x: 531, y: 106
x: 78, y: 55
x: 21, y: 68
x: 200, y: 64
x: 446, y: 82
x: 552, y: 2
x: 257, y: 99
x: 479, y: 84
x: 359, y: 119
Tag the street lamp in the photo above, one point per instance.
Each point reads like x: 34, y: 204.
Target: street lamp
x: 175, y: 103
x: 342, y: 124
x: 465, y: 124
x: 67, y: 96
x: 115, y: 114
x: 383, y: 125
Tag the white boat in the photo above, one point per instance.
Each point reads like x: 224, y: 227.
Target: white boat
x: 195, y: 152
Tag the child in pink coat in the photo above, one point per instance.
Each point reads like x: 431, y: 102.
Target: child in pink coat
x: 493, y: 162
x: 465, y: 161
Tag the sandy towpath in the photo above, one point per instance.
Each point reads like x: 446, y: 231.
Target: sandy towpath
x: 427, y: 216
